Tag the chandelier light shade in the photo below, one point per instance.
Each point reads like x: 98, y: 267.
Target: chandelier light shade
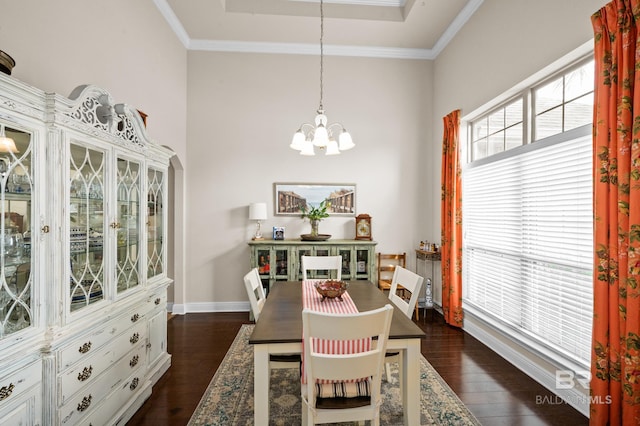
x: 258, y: 212
x: 321, y: 134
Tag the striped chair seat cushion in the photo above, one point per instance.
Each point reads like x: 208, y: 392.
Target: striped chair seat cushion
x: 343, y: 389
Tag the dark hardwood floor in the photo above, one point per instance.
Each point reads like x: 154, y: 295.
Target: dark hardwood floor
x: 496, y: 392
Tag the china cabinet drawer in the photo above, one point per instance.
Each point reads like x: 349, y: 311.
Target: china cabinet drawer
x: 92, y: 396
x: 131, y: 338
x: 104, y: 414
x: 88, y: 369
x: 84, y: 373
x: 24, y: 409
x: 89, y: 344
x: 157, y: 300
x: 17, y: 382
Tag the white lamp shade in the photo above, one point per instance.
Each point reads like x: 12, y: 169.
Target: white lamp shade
x: 258, y: 211
x: 307, y: 148
x: 8, y: 145
x: 298, y: 140
x: 332, y: 147
x: 345, y: 141
x: 321, y: 136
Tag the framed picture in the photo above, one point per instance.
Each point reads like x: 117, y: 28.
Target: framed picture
x: 290, y: 197
x: 278, y: 232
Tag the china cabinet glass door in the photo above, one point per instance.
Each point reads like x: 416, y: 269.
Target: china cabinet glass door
x: 86, y: 225
x: 128, y: 225
x: 155, y: 212
x: 16, y: 187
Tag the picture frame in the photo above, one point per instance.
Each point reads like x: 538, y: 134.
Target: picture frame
x: 278, y: 232
x: 290, y: 197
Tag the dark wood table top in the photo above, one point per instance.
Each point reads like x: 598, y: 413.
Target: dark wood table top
x: 281, y: 316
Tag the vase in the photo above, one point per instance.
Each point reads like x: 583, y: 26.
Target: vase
x: 314, y: 227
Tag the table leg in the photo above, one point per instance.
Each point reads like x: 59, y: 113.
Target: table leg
x: 411, y: 383
x: 261, y: 376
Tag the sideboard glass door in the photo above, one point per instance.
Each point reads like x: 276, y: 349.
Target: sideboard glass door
x: 128, y: 225
x: 86, y: 225
x: 155, y: 214
x: 16, y: 187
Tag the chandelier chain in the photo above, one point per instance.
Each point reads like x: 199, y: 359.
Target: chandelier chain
x: 321, y: 52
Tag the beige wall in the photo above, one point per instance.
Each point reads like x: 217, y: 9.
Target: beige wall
x: 503, y: 43
x: 243, y: 111
x: 122, y: 46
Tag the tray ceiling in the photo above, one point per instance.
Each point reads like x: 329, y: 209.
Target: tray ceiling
x: 414, y: 29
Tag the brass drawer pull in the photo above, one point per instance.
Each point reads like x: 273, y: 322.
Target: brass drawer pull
x: 157, y: 301
x: 85, y: 348
x: 86, y: 373
x: 135, y: 317
x: 134, y: 383
x: 86, y: 402
x: 6, y: 391
x: 134, y: 361
x: 134, y: 338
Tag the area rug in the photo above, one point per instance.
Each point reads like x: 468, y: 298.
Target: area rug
x: 229, y: 398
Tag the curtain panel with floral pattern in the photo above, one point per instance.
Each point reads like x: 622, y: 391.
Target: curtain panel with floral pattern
x: 615, y: 358
x: 451, y: 218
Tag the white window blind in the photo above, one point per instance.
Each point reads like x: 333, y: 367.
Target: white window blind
x: 528, y: 250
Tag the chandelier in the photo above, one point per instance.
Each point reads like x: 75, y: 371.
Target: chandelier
x: 322, y: 134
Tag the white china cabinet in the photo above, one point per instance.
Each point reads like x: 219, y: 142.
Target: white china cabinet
x: 83, y: 258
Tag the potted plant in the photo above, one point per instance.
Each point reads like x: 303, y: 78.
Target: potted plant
x: 315, y: 215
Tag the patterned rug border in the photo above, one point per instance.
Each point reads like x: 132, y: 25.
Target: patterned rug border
x: 228, y: 400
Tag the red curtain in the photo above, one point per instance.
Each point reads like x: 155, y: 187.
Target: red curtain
x: 451, y: 217
x: 615, y: 357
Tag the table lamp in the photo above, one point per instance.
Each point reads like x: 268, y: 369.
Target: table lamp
x: 258, y: 212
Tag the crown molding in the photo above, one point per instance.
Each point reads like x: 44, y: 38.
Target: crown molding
x: 457, y: 24
x: 309, y: 49
x: 313, y: 49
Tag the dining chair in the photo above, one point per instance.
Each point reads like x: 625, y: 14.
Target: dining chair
x: 387, y: 264
x: 321, y: 263
x: 361, y: 371
x: 404, y: 281
x: 257, y: 297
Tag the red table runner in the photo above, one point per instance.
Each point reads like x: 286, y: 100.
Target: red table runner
x: 311, y: 299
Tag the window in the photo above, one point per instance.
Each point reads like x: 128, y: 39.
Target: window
x: 499, y: 131
x: 528, y: 220
x: 564, y: 103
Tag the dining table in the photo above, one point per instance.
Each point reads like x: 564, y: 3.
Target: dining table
x: 279, y: 331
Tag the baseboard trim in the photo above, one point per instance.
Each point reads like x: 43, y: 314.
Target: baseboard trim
x: 528, y: 362
x: 181, y: 309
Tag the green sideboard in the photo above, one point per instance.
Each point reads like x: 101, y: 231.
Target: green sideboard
x: 279, y: 260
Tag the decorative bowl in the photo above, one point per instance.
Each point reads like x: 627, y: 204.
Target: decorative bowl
x: 319, y: 237
x: 6, y: 63
x: 331, y: 289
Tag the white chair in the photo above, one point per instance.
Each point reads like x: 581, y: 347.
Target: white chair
x: 322, y: 263
x: 345, y: 367
x: 410, y: 282
x: 255, y: 291
x: 257, y: 297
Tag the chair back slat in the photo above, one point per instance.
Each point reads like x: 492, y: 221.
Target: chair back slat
x: 408, y: 281
x: 255, y: 292
x: 321, y: 263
